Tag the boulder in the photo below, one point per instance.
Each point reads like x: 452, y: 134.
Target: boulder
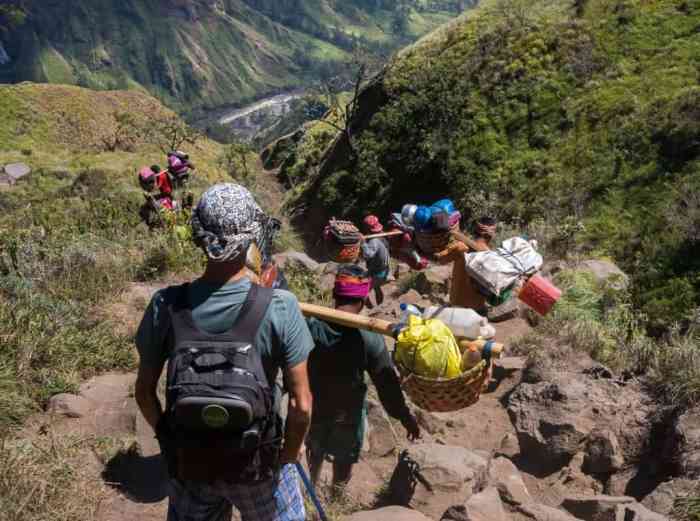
x: 393, y: 513
x: 556, y: 409
x: 434, y: 281
x: 538, y: 512
x: 637, y: 512
x: 380, y: 431
x: 573, y: 477
x: 431, y: 477
x: 509, y: 446
x: 108, y: 388
x: 506, y: 311
x: 548, y: 422
x: 684, y: 443
x: 507, y: 479
x: 484, y: 506
x: 606, y: 272
x: 663, y: 498
x: 602, y: 453
x: 596, y: 508
x: 296, y: 259
x: 70, y: 405
x: 16, y: 171
x: 401, y: 270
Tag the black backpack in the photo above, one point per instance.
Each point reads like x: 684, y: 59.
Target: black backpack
x: 220, y: 409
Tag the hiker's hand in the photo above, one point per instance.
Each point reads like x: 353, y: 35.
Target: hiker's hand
x: 287, y: 458
x: 412, y: 428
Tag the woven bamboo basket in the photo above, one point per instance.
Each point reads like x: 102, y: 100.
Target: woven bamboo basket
x: 343, y: 253
x: 445, y: 394
x: 431, y: 243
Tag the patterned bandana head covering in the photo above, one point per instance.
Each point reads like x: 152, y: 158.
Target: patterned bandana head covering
x: 352, y: 282
x: 226, y: 221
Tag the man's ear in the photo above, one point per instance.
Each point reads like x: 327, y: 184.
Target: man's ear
x: 253, y: 259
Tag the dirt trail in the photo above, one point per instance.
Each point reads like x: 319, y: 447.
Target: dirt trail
x: 136, y: 480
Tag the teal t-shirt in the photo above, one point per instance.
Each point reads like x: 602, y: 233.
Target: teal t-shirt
x: 283, y: 338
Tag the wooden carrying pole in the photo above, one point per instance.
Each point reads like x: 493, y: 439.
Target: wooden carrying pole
x: 392, y: 233
x: 383, y: 327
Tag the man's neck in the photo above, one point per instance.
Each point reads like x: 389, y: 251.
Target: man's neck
x: 221, y: 273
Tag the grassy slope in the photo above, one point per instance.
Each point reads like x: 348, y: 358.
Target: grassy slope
x: 70, y: 238
x: 588, y: 122
x: 224, y: 56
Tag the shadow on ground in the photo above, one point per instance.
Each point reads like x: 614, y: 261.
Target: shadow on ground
x: 141, y: 479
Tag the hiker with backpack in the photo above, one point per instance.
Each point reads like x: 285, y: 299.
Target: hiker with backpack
x: 464, y: 291
x: 225, y: 340
x: 376, y: 254
x: 179, y: 167
x: 337, y: 367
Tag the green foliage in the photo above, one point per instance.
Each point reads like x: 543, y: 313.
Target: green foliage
x: 198, y: 55
x: 602, y: 321
x: 532, y: 111
x: 304, y: 284
x: 67, y: 248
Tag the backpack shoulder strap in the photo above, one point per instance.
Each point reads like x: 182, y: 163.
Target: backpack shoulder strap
x: 253, y: 312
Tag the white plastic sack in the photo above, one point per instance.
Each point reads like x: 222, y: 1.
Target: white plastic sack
x: 498, y: 270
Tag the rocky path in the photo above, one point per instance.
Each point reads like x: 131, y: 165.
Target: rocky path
x: 473, y: 462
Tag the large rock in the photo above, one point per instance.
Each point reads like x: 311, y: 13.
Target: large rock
x: 16, y: 171
x: 684, y: 444
x: 562, y: 410
x: 484, y: 506
x: 606, y: 272
x: 393, y: 513
x: 596, y: 508
x: 538, y: 512
x: 434, y: 477
x: 381, y: 433
x: 433, y: 281
x: 637, y: 512
x: 507, y: 479
x: 603, y: 452
x: 70, y: 405
x: 662, y: 500
x: 296, y: 259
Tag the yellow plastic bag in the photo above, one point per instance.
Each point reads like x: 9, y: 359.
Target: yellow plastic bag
x: 428, y: 348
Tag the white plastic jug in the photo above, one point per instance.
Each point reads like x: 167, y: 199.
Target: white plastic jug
x: 464, y: 323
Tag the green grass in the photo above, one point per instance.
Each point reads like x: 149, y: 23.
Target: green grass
x: 217, y: 57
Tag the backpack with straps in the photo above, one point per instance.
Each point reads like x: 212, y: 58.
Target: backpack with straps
x: 220, y: 407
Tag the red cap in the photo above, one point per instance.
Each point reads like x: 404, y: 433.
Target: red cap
x: 371, y: 223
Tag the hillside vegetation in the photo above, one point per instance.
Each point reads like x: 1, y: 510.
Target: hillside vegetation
x: 70, y: 234
x: 582, y: 120
x: 202, y: 54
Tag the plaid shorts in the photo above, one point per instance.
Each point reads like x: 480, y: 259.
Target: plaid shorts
x: 275, y: 500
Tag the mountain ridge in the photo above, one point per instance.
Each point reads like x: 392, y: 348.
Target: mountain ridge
x: 198, y: 55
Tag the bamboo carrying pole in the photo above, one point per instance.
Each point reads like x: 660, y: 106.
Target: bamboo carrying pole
x: 383, y: 327
x: 392, y: 233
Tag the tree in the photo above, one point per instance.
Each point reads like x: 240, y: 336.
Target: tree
x: 12, y: 14
x: 363, y: 65
x: 170, y: 133
x: 400, y: 18
x: 235, y: 161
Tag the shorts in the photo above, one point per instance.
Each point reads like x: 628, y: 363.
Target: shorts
x: 379, y: 279
x: 278, y: 499
x: 338, y: 441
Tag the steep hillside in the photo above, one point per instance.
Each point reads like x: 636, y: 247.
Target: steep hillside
x: 583, y: 119
x: 200, y: 54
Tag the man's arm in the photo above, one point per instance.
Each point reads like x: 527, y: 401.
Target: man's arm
x: 299, y: 413
x: 147, y: 393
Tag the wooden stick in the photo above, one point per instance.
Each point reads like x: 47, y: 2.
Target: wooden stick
x: 383, y: 327
x: 343, y: 318
x: 469, y: 242
x: 392, y: 233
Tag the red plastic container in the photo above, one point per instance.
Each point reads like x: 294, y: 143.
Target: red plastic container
x: 539, y: 294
